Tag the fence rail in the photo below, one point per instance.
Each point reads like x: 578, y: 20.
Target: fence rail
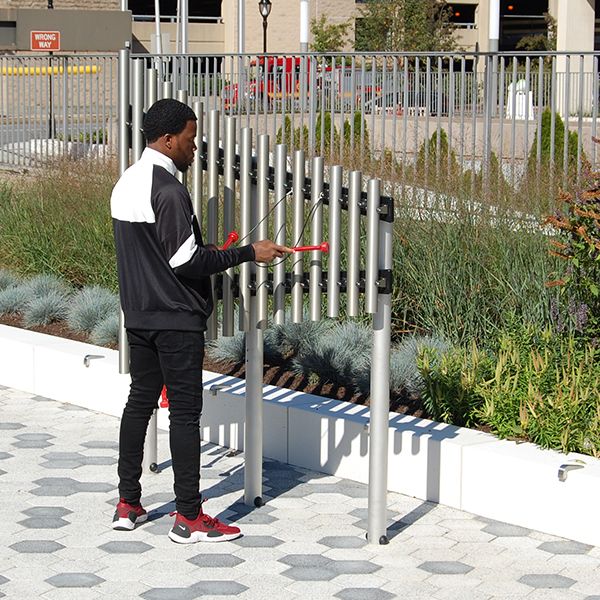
x: 411, y: 118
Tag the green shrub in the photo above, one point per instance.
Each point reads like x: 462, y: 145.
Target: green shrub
x: 557, y: 159
x: 451, y: 383
x: 7, y: 279
x: 13, y: 300
x: 545, y: 388
x: 228, y: 349
x: 577, y: 309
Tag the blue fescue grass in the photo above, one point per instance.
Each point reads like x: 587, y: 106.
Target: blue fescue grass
x: 8, y: 279
x: 340, y: 355
x: 46, y: 309
x: 13, y: 300
x: 106, y: 331
x: 228, y: 349
x: 90, y: 306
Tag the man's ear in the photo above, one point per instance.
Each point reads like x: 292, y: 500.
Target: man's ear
x: 168, y: 140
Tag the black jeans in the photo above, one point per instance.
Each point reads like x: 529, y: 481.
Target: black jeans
x: 174, y: 359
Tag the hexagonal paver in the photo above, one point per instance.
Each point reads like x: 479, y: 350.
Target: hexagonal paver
x: 36, y: 547
x: 73, y: 460
x: 218, y: 588
x: 131, y: 547
x: 445, y: 567
x: 215, y: 561
x: 33, y: 440
x: 306, y: 560
x: 343, y: 541
x: 354, y: 567
x: 542, y: 580
x: 65, y: 486
x: 169, y: 594
x: 45, y: 517
x: 506, y: 530
x: 11, y: 426
x: 310, y: 574
x: 364, y: 594
x: 565, y: 547
x: 100, y: 445
x: 258, y: 541
x: 74, y: 580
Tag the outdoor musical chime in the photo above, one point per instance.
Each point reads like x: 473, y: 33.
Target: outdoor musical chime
x: 242, y: 179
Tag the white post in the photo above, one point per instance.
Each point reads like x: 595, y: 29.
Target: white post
x: 303, y: 25
x: 241, y: 27
x: 157, y: 21
x: 494, y: 25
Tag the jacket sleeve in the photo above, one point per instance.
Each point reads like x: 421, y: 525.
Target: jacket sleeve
x: 180, y: 237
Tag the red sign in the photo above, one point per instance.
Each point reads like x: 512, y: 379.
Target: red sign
x: 48, y: 41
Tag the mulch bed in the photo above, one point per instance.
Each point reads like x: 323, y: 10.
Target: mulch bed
x: 279, y: 375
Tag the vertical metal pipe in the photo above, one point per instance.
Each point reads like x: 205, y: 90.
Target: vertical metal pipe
x: 246, y: 223
x: 298, y: 225
x: 262, y: 205
x: 150, y: 97
x: 182, y: 96
x: 213, y: 204
x: 280, y: 232
x: 137, y: 109
x: 253, y: 443
x: 380, y: 401
x: 228, y: 218
x: 197, y: 171
x: 123, y: 164
x: 316, y: 237
x: 335, y: 242
x: 353, y: 246
x: 371, y: 274
x: 167, y: 89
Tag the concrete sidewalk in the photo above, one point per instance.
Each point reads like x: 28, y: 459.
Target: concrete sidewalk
x: 58, y: 476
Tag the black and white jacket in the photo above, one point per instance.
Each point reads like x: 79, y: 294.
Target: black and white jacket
x: 162, y: 263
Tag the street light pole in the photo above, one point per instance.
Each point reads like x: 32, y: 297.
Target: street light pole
x: 264, y: 6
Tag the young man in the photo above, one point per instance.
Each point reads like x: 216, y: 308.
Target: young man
x: 165, y: 293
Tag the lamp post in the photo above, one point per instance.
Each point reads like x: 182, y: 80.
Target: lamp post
x: 264, y: 6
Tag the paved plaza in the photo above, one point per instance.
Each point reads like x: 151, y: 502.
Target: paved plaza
x: 58, y: 476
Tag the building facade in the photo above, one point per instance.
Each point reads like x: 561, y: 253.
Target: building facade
x: 213, y: 24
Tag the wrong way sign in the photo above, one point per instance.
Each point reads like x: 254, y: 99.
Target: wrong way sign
x: 45, y: 41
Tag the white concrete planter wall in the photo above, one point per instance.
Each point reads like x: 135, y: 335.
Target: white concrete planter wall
x: 462, y: 468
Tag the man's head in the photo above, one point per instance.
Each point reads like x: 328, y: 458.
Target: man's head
x: 170, y: 127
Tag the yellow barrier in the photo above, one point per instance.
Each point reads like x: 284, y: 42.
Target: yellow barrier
x: 76, y: 70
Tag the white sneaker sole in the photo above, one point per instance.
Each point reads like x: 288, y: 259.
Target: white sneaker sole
x: 125, y: 523
x: 200, y: 536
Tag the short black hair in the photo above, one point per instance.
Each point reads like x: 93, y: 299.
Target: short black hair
x: 166, y: 116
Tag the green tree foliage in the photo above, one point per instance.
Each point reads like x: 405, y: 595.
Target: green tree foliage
x: 328, y: 37
x: 539, y: 42
x: 404, y: 26
x: 557, y: 158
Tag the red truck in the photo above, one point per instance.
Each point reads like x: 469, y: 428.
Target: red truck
x: 271, y: 80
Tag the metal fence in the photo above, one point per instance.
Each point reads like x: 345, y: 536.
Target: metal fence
x: 57, y: 106
x: 415, y: 119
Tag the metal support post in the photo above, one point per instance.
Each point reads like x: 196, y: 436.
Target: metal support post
x: 197, y: 164
x: 228, y: 218
x: 380, y: 394
x: 137, y: 109
x: 212, y: 204
x: 124, y: 56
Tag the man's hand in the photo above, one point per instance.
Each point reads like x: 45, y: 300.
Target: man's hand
x: 266, y: 251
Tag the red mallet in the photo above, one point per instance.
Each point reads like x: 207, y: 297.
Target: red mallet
x: 231, y: 239
x: 164, y: 400
x: 324, y: 247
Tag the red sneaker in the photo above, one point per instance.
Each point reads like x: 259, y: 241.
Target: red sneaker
x: 202, y: 529
x: 127, y: 516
